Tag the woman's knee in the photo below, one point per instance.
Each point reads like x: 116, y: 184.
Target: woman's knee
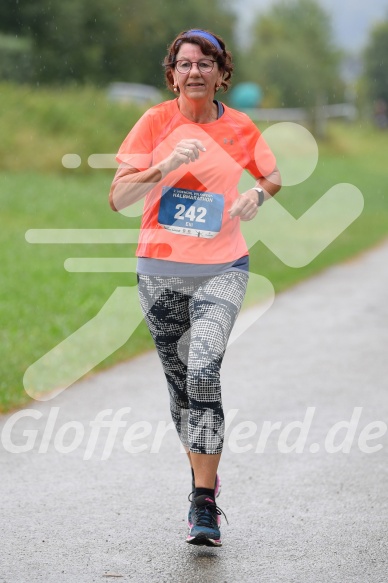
x: 203, y: 384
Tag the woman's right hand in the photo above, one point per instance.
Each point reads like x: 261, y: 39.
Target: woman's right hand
x: 185, y: 151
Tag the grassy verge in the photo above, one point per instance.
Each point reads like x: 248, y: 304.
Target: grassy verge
x: 40, y: 126
x: 355, y: 154
x: 41, y: 303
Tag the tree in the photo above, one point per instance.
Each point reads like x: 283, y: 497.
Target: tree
x: 10, y: 17
x: 15, y: 60
x: 105, y: 40
x: 376, y: 63
x: 293, y: 57
x: 147, y: 28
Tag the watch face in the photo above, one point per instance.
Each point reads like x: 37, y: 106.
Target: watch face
x: 260, y: 194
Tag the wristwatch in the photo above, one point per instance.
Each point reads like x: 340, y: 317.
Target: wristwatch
x: 260, y: 193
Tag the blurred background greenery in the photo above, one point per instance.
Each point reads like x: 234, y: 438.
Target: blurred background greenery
x: 291, y: 50
x: 57, y: 60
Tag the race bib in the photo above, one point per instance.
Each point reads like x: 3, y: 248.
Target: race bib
x: 191, y: 212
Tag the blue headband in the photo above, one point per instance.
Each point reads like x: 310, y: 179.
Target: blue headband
x: 206, y: 35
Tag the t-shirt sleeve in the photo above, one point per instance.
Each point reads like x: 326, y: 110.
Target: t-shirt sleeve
x: 261, y: 158
x: 136, y: 149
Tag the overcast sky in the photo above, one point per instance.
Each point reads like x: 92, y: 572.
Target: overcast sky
x: 352, y: 19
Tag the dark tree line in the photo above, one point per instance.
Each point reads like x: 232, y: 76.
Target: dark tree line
x: 291, y: 52
x: 376, y: 63
x: 97, y: 41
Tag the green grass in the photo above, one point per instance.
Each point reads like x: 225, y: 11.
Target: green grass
x: 41, y: 303
x: 39, y: 126
x: 353, y: 153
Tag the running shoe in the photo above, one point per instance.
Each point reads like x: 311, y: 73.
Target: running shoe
x: 205, y: 526
x: 217, y: 492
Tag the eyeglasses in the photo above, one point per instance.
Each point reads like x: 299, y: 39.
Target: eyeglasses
x: 204, y: 65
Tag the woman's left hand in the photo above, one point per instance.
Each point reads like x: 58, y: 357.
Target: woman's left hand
x: 245, y: 206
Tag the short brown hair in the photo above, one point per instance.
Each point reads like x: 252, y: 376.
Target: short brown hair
x: 222, y: 57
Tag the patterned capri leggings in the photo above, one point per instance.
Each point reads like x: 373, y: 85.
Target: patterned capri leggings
x: 190, y: 320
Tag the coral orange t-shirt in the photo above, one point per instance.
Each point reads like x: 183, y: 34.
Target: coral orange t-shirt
x: 185, y: 216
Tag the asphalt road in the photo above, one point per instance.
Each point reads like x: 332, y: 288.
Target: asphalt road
x: 304, y: 469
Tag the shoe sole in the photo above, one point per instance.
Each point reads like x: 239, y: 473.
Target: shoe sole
x: 202, y: 539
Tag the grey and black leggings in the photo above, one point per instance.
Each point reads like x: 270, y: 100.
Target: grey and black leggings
x: 190, y: 320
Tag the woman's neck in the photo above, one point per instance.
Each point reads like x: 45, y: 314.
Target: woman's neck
x: 197, y: 111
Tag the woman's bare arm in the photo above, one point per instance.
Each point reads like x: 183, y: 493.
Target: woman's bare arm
x: 130, y: 184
